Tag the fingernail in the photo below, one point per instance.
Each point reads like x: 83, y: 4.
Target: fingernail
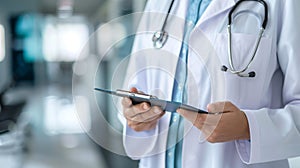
x: 208, y: 107
x: 145, y: 106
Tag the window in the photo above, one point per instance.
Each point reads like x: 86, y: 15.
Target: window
x: 64, y: 41
x: 2, y: 43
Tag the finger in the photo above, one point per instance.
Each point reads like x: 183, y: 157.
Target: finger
x: 220, y: 107
x: 189, y: 115
x: 126, y: 102
x: 154, y: 112
x: 133, y: 110
x: 133, y: 123
x: 145, y: 116
x: 133, y: 89
x: 208, y: 130
x: 142, y: 126
x: 127, y: 108
x: 141, y: 108
x: 155, y: 117
x: 128, y: 113
x: 199, y: 120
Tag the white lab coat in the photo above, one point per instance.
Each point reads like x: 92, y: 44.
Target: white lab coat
x: 271, y: 100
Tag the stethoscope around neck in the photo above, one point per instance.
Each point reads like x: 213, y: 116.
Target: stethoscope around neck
x: 242, y: 72
x: 160, y: 38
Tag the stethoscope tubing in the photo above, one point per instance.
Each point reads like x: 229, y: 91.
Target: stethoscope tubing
x: 233, y: 70
x: 265, y: 22
x: 166, y: 19
x: 160, y: 37
x: 262, y: 29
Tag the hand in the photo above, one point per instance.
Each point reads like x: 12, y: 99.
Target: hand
x: 141, y: 117
x: 230, y: 125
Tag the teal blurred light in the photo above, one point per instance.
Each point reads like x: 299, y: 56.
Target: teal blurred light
x: 29, y: 28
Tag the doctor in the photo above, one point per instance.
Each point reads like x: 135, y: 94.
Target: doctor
x: 259, y: 126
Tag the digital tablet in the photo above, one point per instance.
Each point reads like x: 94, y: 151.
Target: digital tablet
x: 137, y: 98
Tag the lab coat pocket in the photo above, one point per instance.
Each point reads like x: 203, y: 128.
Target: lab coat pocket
x: 244, y: 90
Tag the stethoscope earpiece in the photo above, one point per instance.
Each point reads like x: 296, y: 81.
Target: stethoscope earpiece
x: 224, y: 68
x: 252, y: 74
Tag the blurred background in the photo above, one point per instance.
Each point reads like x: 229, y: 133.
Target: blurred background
x: 51, y: 57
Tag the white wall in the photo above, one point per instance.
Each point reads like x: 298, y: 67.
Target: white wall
x: 8, y: 8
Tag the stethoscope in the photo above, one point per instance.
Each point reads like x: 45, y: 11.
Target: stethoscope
x: 241, y: 73
x: 160, y: 38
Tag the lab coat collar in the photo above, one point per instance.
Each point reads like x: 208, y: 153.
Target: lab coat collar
x: 215, y: 8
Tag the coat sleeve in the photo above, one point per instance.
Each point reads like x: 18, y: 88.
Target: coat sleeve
x: 139, y: 144
x: 275, y: 133
x: 136, y: 144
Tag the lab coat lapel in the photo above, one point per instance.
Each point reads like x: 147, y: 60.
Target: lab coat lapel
x: 202, y: 42
x: 214, y: 9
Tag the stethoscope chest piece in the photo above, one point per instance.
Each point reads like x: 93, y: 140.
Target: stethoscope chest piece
x: 159, y: 39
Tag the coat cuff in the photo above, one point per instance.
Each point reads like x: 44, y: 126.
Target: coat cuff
x: 249, y: 150
x: 139, y: 144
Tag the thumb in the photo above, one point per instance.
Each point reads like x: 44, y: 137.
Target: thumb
x: 133, y: 89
